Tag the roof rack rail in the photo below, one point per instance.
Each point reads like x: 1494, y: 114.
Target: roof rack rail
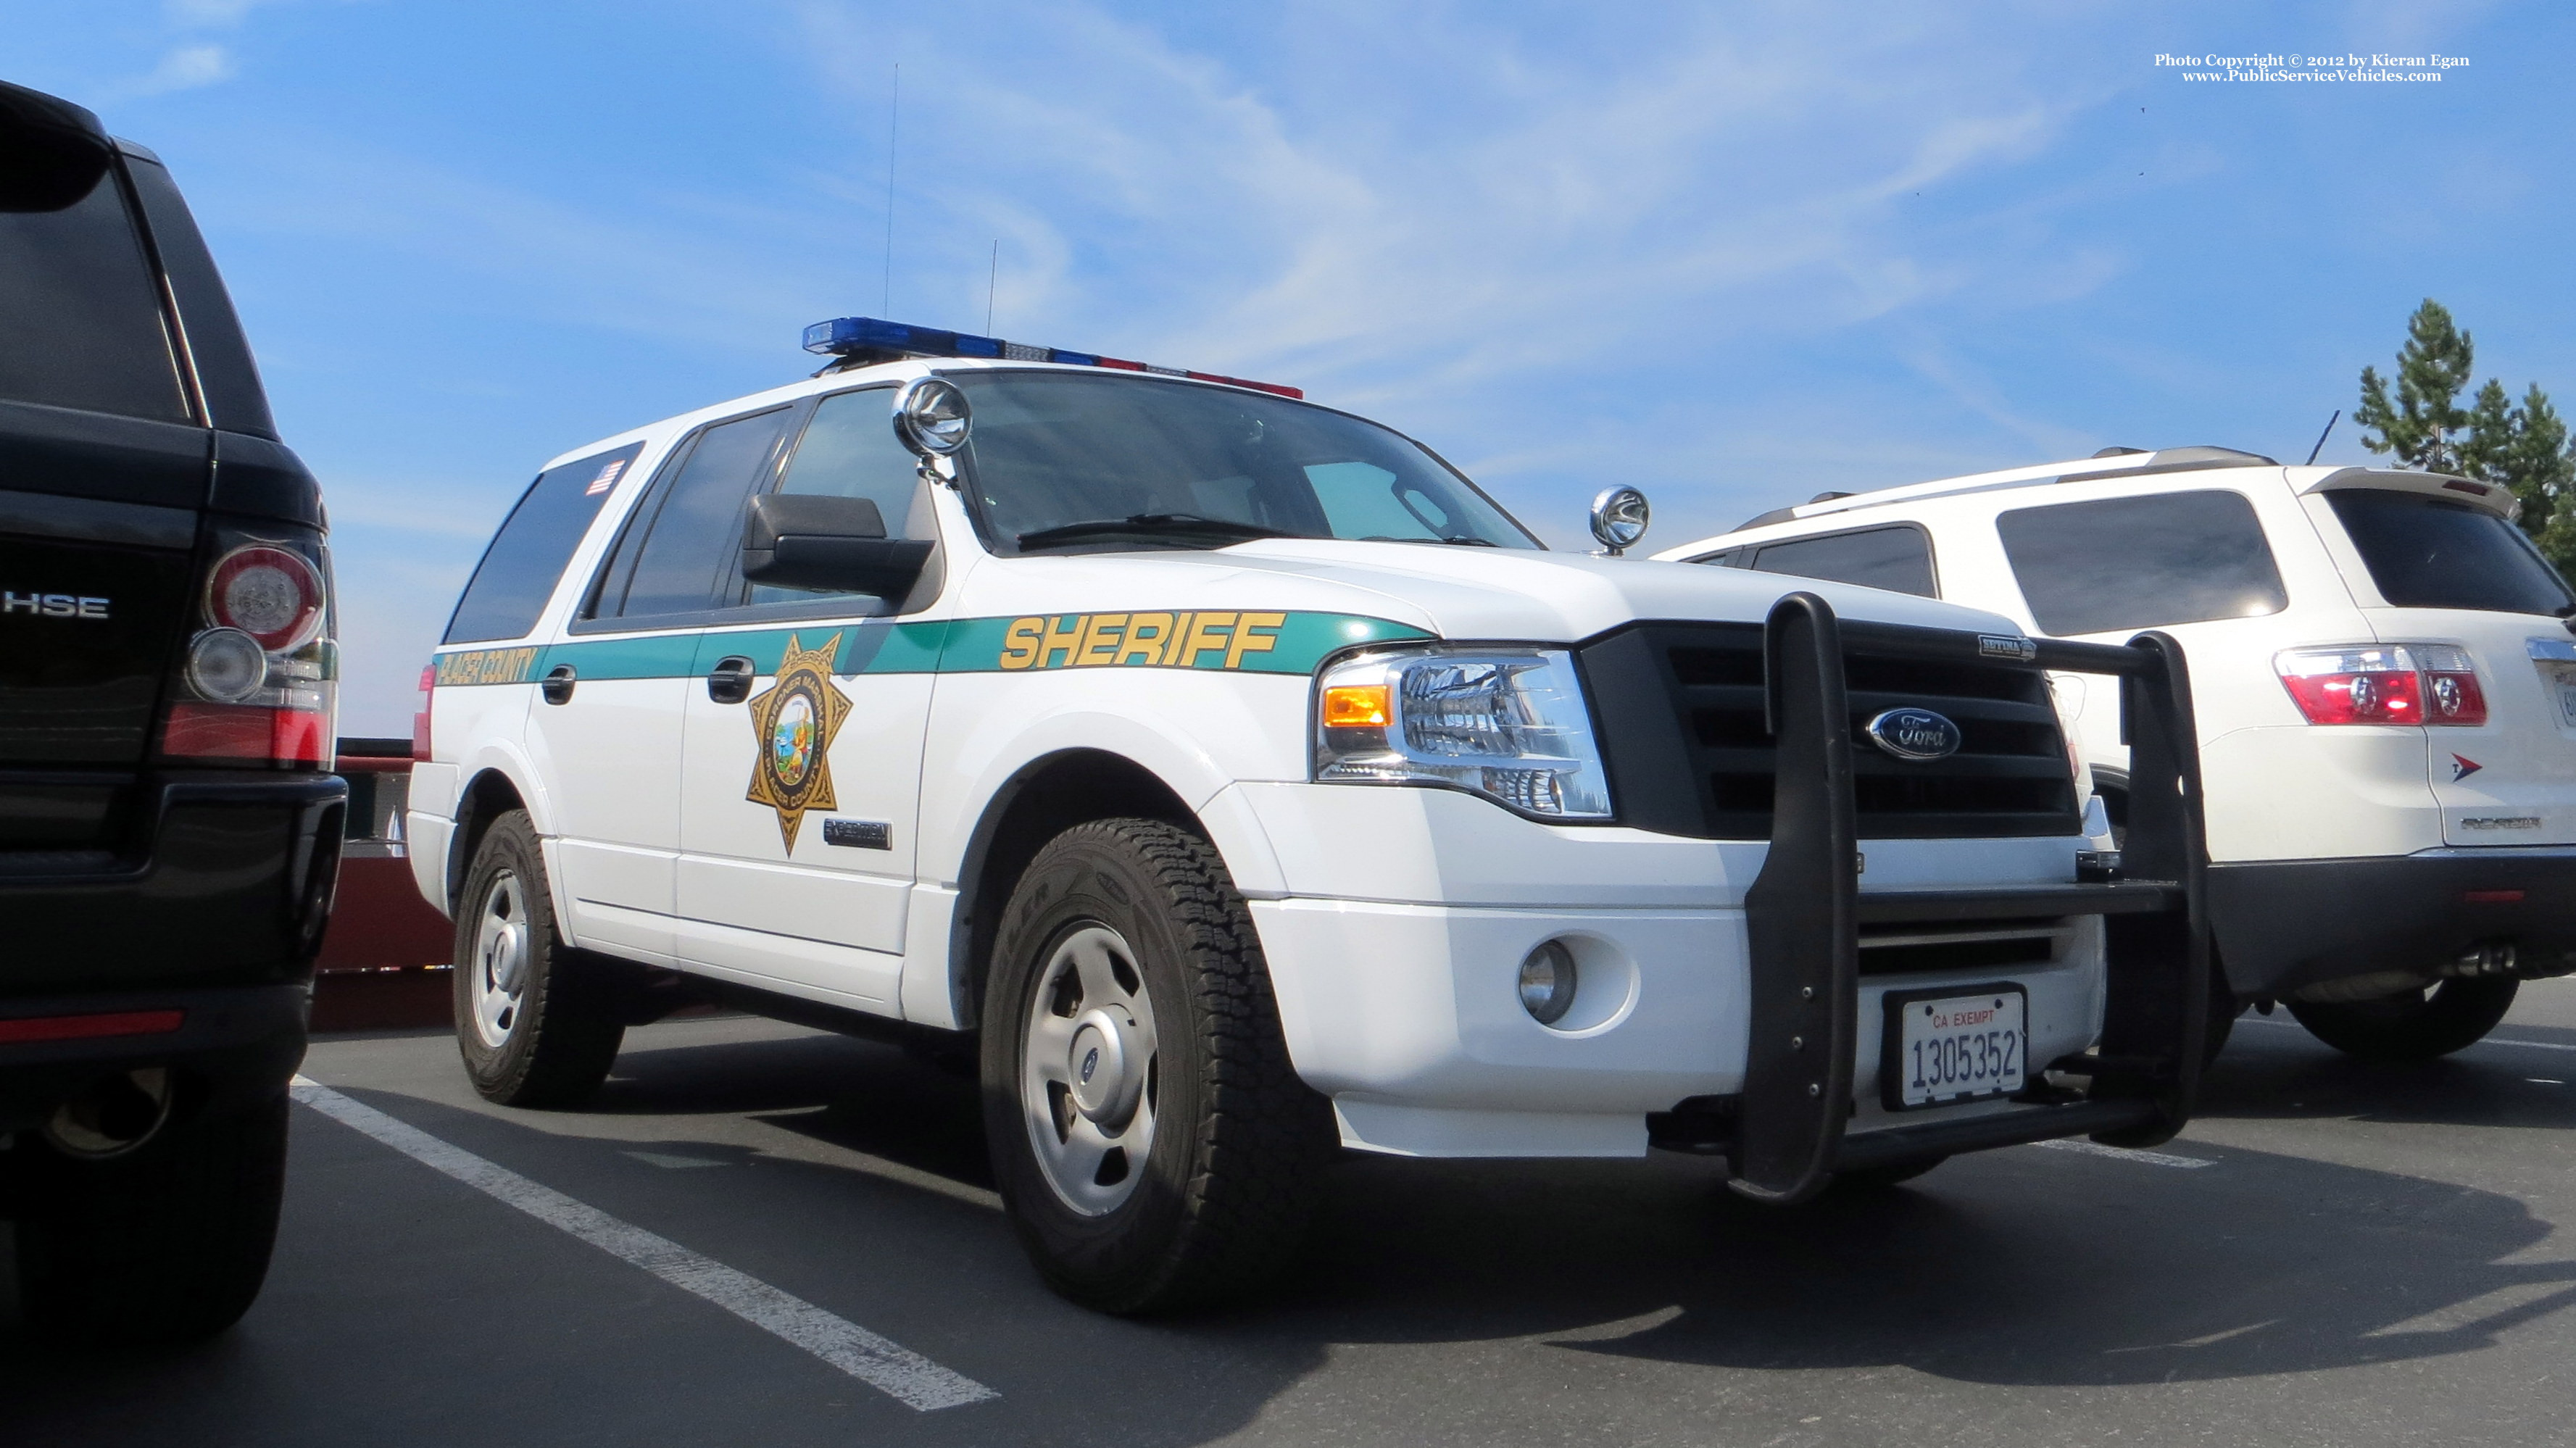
x: 2110, y: 462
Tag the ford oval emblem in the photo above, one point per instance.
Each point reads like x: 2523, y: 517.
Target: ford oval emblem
x: 1915, y: 734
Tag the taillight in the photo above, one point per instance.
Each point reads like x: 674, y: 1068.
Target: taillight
x: 2451, y: 692
x: 258, y: 680
x: 420, y: 716
x: 268, y: 593
x: 2383, y: 684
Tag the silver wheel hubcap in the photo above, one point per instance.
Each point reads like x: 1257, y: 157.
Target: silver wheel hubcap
x: 500, y: 962
x: 1088, y: 1073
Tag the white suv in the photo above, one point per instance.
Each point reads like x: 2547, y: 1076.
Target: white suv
x: 2385, y: 683
x: 1234, y: 781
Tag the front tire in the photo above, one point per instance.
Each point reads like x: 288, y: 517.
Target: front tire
x: 2416, y: 1025
x: 1151, y: 1139
x: 535, y: 1020
x: 166, y: 1243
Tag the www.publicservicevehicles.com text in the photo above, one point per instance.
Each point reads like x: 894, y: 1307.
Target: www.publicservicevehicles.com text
x: 2356, y: 68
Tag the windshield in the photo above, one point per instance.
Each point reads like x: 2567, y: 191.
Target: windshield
x: 1060, y: 461
x: 2428, y: 552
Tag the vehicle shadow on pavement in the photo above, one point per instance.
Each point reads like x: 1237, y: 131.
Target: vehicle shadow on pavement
x: 2285, y: 1074
x: 2024, y: 1267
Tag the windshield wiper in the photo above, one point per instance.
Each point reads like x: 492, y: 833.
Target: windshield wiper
x: 1149, y: 525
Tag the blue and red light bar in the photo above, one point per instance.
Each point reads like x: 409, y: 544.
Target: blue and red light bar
x: 862, y: 336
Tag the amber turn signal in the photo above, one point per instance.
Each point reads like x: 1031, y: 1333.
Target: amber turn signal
x: 1356, y: 706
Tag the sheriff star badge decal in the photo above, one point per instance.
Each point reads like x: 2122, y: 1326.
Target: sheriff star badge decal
x: 792, y: 724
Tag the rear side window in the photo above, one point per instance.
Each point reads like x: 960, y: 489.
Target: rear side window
x: 2142, y: 562
x: 518, y: 572
x: 2433, y: 553
x: 80, y: 312
x: 1897, y: 559
x: 694, y: 532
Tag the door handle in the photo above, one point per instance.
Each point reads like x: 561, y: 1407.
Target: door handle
x: 729, y: 682
x: 557, y: 684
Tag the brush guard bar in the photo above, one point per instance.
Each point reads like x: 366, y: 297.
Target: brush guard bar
x: 1804, y: 912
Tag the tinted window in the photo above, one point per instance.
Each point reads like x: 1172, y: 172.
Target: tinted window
x: 517, y: 575
x: 80, y: 312
x: 2434, y: 553
x: 1892, y: 558
x: 1053, y: 449
x: 225, y: 373
x: 696, y: 528
x: 849, y: 450
x: 2142, y: 562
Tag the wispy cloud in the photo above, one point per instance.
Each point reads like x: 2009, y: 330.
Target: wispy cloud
x: 1706, y: 184
x: 212, y: 14
x: 185, y: 67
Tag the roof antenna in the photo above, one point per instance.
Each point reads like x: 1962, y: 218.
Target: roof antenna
x: 2321, y: 437
x: 894, y: 112
x: 990, y: 277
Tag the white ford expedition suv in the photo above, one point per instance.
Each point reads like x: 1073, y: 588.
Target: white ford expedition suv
x: 2387, y: 702
x: 1239, y: 783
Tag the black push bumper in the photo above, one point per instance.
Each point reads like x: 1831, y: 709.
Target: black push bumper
x: 2283, y: 924
x: 230, y: 884
x: 1804, y: 911
x: 225, y: 1046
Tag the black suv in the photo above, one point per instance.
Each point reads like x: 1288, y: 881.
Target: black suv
x: 169, y: 822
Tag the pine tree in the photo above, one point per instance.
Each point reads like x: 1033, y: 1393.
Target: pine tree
x: 2422, y: 429
x: 2522, y: 446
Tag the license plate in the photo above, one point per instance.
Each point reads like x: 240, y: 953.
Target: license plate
x: 2562, y: 679
x: 1954, y: 1046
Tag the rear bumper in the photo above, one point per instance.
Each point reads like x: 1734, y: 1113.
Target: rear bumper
x: 232, y: 888
x: 230, y: 1045
x: 2284, y: 924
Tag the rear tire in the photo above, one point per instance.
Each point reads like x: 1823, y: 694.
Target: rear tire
x: 2420, y: 1025
x: 536, y: 1020
x: 166, y: 1243
x: 1151, y: 1139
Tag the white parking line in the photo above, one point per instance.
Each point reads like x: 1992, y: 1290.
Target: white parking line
x: 2095, y: 1148
x: 905, y: 1375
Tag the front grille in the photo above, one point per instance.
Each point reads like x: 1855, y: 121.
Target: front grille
x: 1689, y: 754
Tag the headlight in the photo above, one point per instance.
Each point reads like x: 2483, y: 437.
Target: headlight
x: 1509, y: 724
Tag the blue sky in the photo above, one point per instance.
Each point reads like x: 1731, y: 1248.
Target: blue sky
x: 1735, y: 254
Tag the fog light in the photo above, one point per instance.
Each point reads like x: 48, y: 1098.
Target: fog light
x: 1547, y: 983
x: 226, y: 665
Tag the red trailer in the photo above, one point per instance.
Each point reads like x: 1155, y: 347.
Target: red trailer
x: 384, y: 962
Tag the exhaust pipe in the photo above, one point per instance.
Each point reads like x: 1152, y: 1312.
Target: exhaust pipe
x: 2500, y: 957
x: 2487, y: 960
x: 112, y: 1115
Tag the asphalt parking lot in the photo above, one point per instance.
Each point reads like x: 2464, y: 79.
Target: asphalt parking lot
x: 2366, y: 1256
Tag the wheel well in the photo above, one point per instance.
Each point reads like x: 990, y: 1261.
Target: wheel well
x: 2113, y: 785
x: 1048, y: 797
x: 487, y: 798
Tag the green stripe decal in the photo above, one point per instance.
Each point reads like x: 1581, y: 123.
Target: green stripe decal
x: 1245, y: 641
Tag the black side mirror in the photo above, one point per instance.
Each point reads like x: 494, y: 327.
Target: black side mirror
x: 839, y: 545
